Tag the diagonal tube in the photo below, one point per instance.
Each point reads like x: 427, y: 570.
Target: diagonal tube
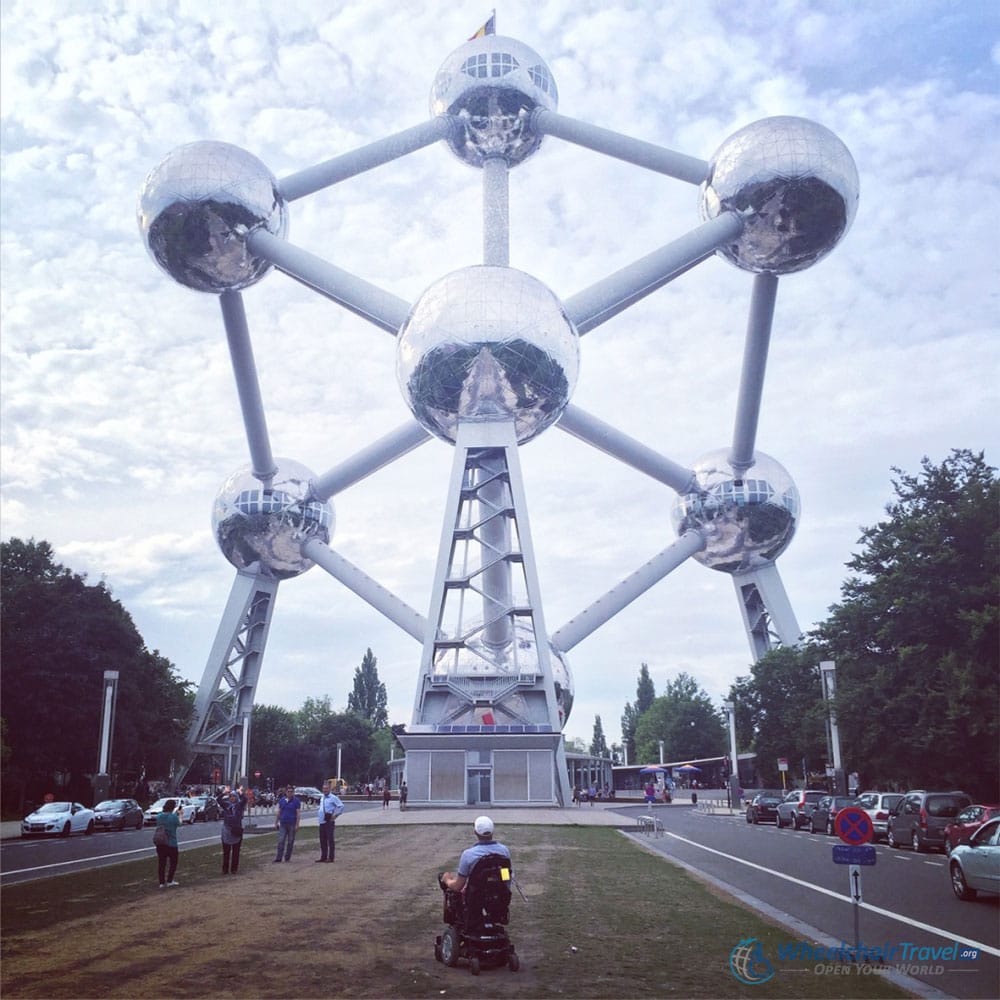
x: 380, y: 453
x: 765, y: 290
x: 355, y: 294
x: 624, y: 593
x: 609, y: 296
x: 357, y: 161
x: 621, y: 147
x: 247, y: 386
x: 613, y: 442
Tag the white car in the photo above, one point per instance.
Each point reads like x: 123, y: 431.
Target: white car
x: 878, y: 805
x: 186, y: 809
x: 975, y: 867
x: 58, y: 819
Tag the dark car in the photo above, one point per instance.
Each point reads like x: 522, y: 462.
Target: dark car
x: 116, y: 814
x: 825, y: 813
x: 965, y: 824
x: 796, y: 808
x: 763, y: 807
x: 921, y: 818
x: 207, y: 808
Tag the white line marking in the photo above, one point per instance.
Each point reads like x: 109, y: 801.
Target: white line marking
x: 948, y: 935
x: 100, y: 857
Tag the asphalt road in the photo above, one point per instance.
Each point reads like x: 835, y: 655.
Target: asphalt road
x: 907, y: 897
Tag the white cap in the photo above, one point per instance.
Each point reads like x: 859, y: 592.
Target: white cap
x: 483, y: 826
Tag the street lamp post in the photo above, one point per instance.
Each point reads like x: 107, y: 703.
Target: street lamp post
x: 729, y: 707
x: 828, y: 676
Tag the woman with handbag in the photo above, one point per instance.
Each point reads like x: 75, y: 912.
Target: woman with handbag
x: 165, y: 839
x: 233, y: 803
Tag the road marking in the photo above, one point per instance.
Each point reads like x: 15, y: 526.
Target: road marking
x: 101, y: 857
x: 989, y: 949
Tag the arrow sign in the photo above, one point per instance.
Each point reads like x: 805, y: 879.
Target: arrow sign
x: 853, y: 826
x: 845, y: 854
x: 855, y: 876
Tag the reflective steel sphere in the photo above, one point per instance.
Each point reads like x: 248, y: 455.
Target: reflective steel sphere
x: 197, y: 208
x: 487, y: 343
x: 746, y: 522
x: 795, y: 185
x: 481, y: 660
x: 491, y: 85
x: 262, y: 530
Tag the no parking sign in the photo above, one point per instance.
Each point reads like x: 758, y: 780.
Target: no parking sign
x: 854, y: 826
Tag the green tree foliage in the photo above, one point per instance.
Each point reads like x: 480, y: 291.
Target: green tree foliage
x: 645, y: 692
x: 916, y: 637
x: 58, y: 636
x: 369, y: 699
x: 598, y: 744
x: 684, y: 718
x: 274, y: 740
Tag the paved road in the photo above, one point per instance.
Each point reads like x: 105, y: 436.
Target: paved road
x: 907, y: 897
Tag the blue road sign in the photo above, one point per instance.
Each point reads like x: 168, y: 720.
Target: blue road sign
x: 850, y: 854
x: 853, y: 826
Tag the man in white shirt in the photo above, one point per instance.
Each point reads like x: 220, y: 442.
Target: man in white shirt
x: 330, y: 807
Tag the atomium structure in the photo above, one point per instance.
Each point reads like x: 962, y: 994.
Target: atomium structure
x: 487, y: 358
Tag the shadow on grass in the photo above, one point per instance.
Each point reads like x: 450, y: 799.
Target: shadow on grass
x: 603, y: 918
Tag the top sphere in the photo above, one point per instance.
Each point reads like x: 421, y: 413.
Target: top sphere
x: 197, y: 208
x: 747, y: 521
x: 796, y: 187
x: 487, y: 343
x: 492, y: 85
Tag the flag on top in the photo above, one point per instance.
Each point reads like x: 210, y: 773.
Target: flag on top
x: 489, y: 28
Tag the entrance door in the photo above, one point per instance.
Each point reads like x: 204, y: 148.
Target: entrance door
x: 479, y: 785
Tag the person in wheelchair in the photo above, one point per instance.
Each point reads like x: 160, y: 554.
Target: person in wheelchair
x: 476, y: 904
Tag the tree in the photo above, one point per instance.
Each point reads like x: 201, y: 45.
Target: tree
x: 684, y: 718
x: 274, y: 739
x: 369, y: 699
x: 598, y: 745
x: 58, y: 635
x: 645, y: 692
x: 916, y: 636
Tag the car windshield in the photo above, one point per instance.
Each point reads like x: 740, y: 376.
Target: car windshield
x: 945, y: 805
x: 160, y: 803
x: 110, y: 804
x: 54, y: 807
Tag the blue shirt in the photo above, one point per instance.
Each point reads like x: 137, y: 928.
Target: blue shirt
x: 329, y: 803
x: 479, y: 850
x: 288, y: 809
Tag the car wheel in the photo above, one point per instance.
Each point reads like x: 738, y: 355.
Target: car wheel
x: 474, y: 966
x: 66, y: 830
x: 959, y: 884
x: 90, y: 829
x: 749, y: 820
x: 890, y: 839
x: 947, y: 846
x: 829, y: 826
x: 139, y: 824
x: 918, y: 844
x: 779, y: 822
x: 513, y: 962
x: 449, y: 947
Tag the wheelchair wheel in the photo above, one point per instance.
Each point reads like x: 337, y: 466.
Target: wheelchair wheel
x: 513, y: 962
x: 474, y: 965
x: 449, y: 946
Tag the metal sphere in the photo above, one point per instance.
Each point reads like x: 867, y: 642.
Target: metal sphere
x: 261, y: 530
x: 197, y: 208
x: 747, y: 521
x: 795, y: 185
x: 491, y: 85
x: 487, y: 343
x: 479, y: 660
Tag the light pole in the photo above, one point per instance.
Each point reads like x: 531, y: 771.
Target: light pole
x: 729, y: 707
x: 828, y: 676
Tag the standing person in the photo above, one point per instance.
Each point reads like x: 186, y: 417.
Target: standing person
x: 233, y: 804
x: 169, y: 821
x: 287, y: 822
x: 403, y: 792
x: 330, y: 807
x: 386, y: 796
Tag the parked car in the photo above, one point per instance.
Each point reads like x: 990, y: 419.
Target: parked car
x: 920, y: 819
x: 878, y: 805
x: 965, y: 824
x: 206, y: 808
x: 186, y: 809
x: 58, y: 819
x: 823, y: 817
x: 796, y: 807
x: 116, y: 814
x: 309, y: 795
x: 975, y: 867
x: 763, y: 807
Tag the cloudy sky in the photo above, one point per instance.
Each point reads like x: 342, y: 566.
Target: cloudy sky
x: 120, y: 417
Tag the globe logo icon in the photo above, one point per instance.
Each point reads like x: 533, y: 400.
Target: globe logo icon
x: 748, y: 964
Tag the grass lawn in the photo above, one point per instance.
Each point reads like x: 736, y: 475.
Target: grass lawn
x: 603, y: 918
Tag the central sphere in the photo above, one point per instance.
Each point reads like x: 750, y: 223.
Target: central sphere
x: 487, y: 343
x: 747, y: 520
x: 491, y: 86
x: 261, y: 528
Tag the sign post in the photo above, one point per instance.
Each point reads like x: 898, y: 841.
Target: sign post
x: 855, y: 829
x: 783, y: 768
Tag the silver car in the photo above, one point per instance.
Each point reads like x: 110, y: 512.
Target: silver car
x: 878, y: 805
x: 975, y: 866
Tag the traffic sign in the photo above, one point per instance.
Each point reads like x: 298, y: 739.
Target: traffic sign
x: 854, y: 826
x: 849, y: 854
x: 854, y: 874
